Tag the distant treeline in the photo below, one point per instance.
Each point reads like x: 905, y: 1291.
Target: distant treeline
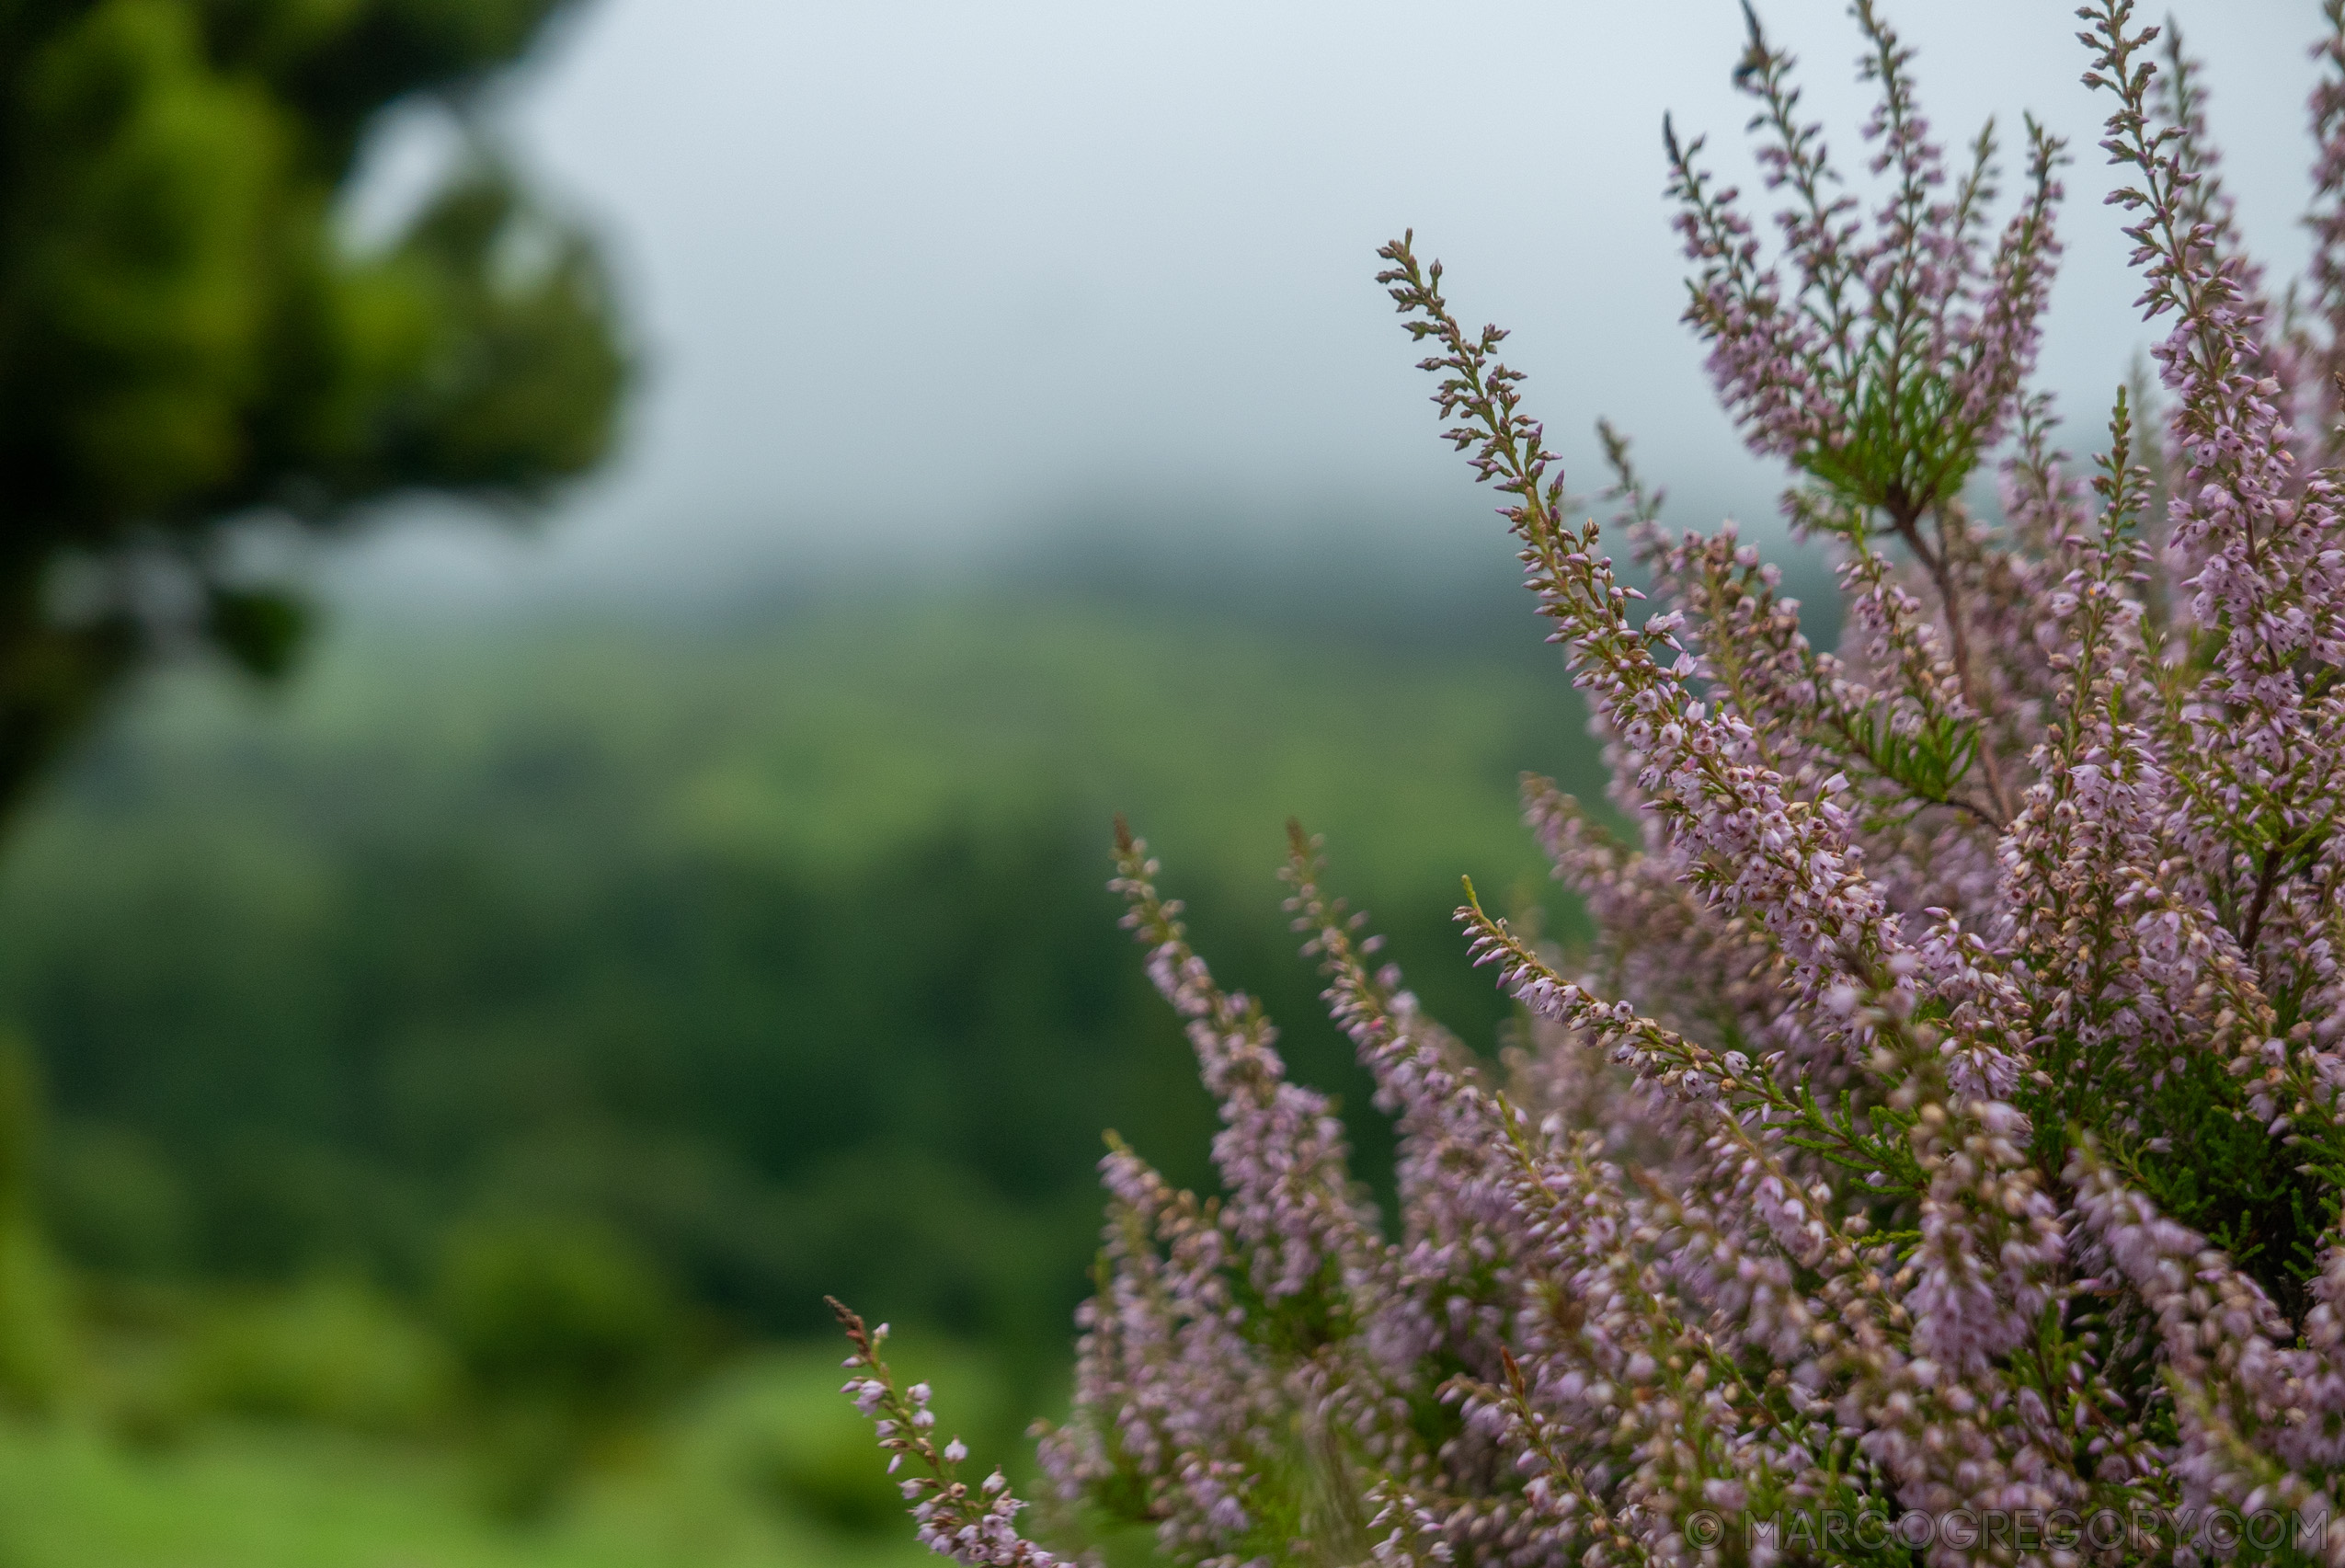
x: 783, y: 952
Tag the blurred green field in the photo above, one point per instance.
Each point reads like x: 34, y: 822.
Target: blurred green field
x: 764, y: 1467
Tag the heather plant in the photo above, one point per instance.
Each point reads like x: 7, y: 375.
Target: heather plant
x: 1938, y: 1153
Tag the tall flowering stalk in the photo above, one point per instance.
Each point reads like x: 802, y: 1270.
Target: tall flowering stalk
x: 1939, y: 1154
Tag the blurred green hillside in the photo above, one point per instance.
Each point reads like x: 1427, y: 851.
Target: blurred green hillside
x: 784, y: 951
x: 481, y: 1047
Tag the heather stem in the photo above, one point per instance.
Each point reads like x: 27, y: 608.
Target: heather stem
x: 1939, y: 563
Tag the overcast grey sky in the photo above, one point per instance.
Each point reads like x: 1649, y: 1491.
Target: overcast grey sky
x: 911, y: 275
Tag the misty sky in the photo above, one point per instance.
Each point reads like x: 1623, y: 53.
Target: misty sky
x: 910, y: 276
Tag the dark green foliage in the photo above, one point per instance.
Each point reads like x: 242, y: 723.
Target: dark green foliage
x: 2252, y: 1194
x: 330, y: 1351
x: 189, y: 343
x: 335, y: 62
x: 1299, y: 1325
x: 32, y: 1348
x: 115, y: 1202
x: 562, y: 1329
x: 1926, y: 763
x: 554, y: 1310
x: 625, y: 930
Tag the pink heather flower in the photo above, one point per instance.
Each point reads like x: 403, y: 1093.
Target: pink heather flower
x: 1946, y: 1114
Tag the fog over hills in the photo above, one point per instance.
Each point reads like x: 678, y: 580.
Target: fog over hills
x: 914, y: 281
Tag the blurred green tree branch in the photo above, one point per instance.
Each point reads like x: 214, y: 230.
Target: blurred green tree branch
x: 189, y: 343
